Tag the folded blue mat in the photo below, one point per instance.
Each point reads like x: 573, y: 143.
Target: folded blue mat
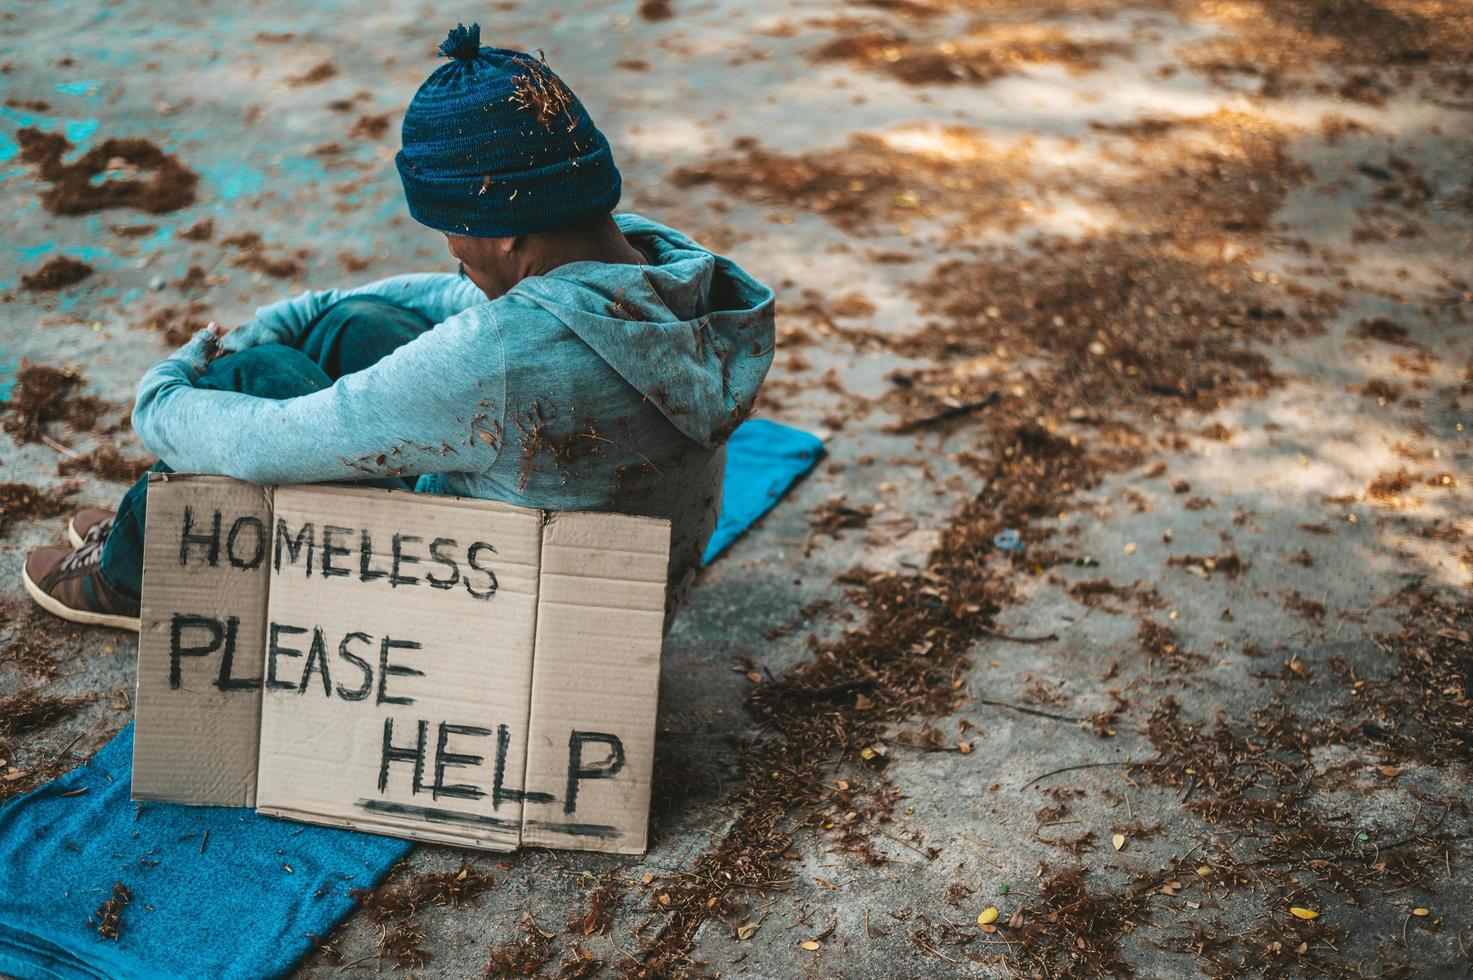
x: 236, y: 904
x: 219, y: 891
x: 763, y: 459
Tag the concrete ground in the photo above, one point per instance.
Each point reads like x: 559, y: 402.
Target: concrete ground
x: 1204, y: 344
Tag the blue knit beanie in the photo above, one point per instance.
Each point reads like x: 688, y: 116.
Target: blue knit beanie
x: 496, y: 145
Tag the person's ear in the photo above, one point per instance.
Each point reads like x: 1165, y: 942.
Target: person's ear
x: 508, y: 245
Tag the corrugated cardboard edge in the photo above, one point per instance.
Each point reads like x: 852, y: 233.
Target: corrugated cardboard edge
x: 641, y: 660
x: 208, y: 795
x: 420, y: 832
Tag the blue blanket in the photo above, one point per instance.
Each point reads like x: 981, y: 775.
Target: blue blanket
x: 763, y: 459
x: 222, y: 892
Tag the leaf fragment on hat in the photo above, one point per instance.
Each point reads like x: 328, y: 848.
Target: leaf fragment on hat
x: 537, y: 89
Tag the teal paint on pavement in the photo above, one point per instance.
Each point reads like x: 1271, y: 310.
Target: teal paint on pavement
x: 162, y: 237
x: 91, y: 253
x: 79, y: 130
x: 232, y: 181
x: 34, y: 251
x: 77, y: 88
x: 19, y: 118
x: 75, y: 130
x: 8, y: 368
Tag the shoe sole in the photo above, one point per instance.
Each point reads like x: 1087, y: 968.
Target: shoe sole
x: 82, y: 616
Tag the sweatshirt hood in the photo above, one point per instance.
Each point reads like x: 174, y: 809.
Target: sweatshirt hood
x: 691, y: 331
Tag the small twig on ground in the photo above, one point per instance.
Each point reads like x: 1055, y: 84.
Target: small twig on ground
x: 1083, y: 765
x: 64, y: 450
x: 1411, y: 837
x: 945, y: 415
x: 1029, y: 711
x: 67, y: 751
x: 930, y: 949
x: 906, y: 843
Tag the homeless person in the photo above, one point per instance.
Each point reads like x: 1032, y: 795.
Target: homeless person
x: 580, y: 360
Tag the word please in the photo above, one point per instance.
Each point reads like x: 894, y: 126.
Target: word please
x: 357, y: 656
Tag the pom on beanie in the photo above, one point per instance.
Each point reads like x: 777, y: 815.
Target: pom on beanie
x: 495, y: 144
x: 463, y: 43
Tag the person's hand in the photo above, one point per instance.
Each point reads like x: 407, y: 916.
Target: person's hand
x: 213, y: 350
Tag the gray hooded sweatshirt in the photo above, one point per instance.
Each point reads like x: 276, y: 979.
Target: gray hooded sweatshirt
x: 597, y: 386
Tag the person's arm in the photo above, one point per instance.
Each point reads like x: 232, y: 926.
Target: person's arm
x: 435, y: 296
x: 434, y: 404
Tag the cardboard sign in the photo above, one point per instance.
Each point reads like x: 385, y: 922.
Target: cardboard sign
x: 429, y: 667
x: 197, y: 716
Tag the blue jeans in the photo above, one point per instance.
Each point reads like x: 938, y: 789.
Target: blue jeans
x: 348, y: 336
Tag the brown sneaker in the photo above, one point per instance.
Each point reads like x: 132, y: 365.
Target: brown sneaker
x: 88, y: 524
x: 68, y: 584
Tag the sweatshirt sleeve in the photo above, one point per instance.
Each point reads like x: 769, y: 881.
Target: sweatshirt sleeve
x: 434, y: 295
x: 433, y: 405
